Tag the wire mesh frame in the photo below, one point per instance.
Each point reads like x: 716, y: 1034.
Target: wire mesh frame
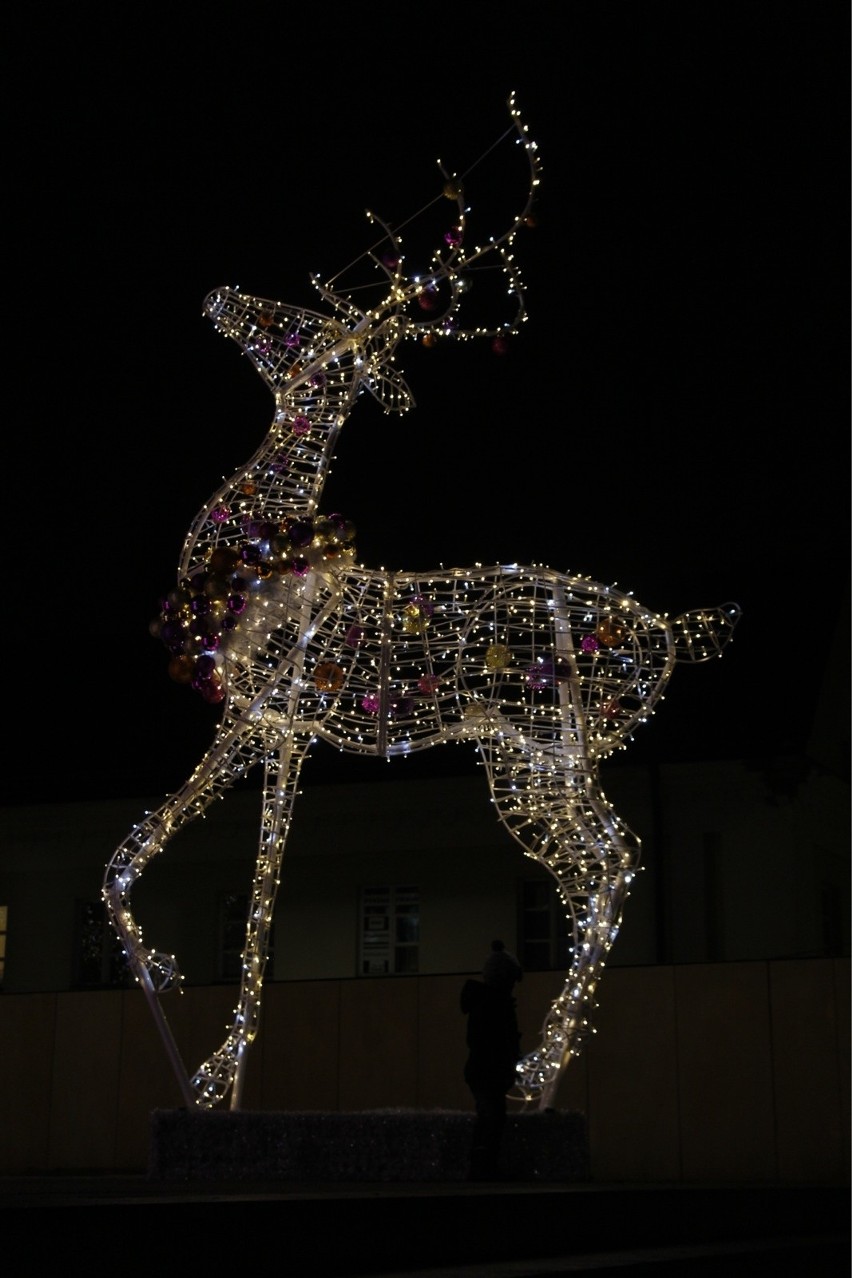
x: 273, y: 618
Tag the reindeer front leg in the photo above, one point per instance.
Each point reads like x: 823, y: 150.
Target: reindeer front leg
x: 562, y: 820
x: 225, y: 1069
x: 234, y: 750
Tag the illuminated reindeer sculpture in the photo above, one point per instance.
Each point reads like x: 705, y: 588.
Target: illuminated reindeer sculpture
x: 272, y: 617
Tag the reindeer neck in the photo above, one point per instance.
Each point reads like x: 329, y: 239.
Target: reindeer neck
x: 284, y: 480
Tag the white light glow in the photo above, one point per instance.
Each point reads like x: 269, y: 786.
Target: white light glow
x: 274, y: 620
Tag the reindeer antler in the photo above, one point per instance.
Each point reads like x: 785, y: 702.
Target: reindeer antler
x: 450, y: 267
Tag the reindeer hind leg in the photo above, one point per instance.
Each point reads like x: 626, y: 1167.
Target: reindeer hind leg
x: 562, y: 820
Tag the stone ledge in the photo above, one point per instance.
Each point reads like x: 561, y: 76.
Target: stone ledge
x: 382, y: 1145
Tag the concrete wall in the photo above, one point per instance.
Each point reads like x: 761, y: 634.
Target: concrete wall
x: 735, y: 1072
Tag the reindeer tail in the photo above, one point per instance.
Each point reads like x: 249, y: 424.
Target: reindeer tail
x: 704, y: 632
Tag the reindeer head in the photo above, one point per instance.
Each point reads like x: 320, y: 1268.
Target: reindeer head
x: 290, y: 346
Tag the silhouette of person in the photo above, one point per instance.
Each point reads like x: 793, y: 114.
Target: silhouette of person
x: 493, y: 1042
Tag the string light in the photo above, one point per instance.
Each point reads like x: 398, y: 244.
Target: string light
x: 547, y: 673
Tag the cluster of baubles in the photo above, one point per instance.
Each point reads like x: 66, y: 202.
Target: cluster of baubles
x: 204, y: 608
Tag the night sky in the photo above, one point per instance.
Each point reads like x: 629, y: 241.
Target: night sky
x: 673, y: 417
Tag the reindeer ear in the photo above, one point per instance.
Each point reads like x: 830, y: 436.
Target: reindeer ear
x: 390, y: 389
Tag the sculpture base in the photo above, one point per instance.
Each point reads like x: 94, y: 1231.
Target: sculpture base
x: 383, y: 1145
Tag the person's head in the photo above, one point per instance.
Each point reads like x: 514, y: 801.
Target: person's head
x: 501, y: 968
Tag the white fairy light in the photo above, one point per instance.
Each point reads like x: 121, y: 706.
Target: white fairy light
x: 274, y: 620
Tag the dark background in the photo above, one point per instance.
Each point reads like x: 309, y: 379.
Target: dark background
x: 673, y: 418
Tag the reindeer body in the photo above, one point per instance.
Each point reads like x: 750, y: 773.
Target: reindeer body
x: 546, y: 672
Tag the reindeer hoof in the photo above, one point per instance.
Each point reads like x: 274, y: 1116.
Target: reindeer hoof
x: 213, y: 1080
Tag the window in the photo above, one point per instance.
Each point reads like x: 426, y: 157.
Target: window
x: 389, y: 931
x: 98, y: 957
x: 542, y: 928
x: 233, y: 917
